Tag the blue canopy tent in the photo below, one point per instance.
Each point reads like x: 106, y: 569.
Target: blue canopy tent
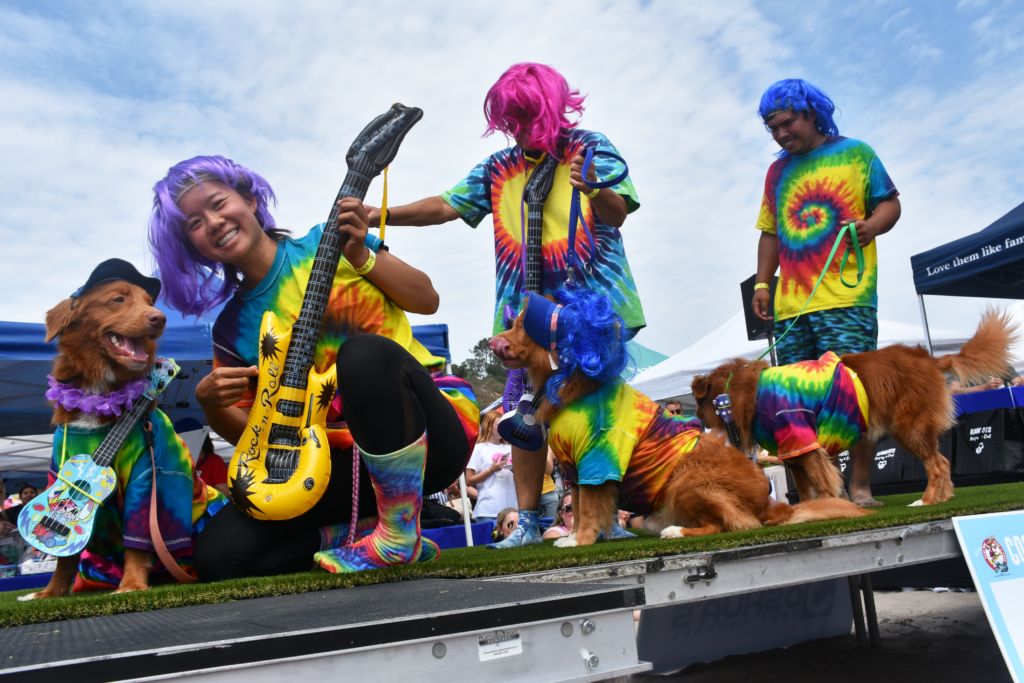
x: 25, y: 360
x: 989, y: 263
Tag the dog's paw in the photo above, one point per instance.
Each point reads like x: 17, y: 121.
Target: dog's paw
x: 916, y: 504
x: 29, y: 596
x: 672, y: 532
x: 566, y: 542
x: 130, y: 589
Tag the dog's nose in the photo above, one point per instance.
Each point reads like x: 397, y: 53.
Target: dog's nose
x: 498, y: 346
x: 156, y: 319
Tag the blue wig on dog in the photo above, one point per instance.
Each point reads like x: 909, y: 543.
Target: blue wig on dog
x: 594, y: 343
x: 800, y: 96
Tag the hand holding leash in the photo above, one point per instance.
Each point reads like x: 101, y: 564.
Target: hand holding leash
x: 865, y: 234
x: 576, y: 175
x: 590, y: 188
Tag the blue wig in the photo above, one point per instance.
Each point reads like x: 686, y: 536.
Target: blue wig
x: 594, y: 344
x: 800, y: 96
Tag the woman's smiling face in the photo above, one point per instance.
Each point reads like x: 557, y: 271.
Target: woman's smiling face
x: 219, y: 222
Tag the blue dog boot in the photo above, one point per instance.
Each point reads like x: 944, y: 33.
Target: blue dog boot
x: 527, y: 532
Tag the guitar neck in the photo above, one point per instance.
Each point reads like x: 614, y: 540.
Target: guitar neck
x: 534, y: 258
x: 111, y: 444
x: 536, y: 191
x: 306, y: 331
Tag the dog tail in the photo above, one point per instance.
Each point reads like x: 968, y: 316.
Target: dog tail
x: 987, y: 353
x: 812, y: 511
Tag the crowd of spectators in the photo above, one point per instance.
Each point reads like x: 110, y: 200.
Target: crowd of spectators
x: 491, y: 491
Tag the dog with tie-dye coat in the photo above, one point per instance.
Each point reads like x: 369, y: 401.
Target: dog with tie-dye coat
x: 618, y: 448
x: 809, y: 411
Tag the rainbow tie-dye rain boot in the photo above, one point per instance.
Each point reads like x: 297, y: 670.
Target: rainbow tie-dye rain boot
x: 398, y: 483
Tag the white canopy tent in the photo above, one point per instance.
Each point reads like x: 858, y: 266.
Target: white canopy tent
x: 672, y: 378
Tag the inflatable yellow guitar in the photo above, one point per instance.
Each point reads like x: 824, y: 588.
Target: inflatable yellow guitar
x: 282, y: 462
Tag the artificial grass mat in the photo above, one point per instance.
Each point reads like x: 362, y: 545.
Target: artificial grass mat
x: 478, y: 562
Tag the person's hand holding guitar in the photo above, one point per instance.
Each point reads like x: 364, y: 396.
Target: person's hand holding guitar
x: 353, y: 223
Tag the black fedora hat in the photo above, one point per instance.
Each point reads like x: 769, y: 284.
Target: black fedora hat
x: 118, y: 269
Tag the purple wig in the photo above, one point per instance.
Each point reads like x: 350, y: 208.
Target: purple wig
x: 800, y: 96
x: 192, y: 284
x: 533, y: 101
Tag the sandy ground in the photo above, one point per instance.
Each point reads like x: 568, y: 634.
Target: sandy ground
x: 926, y: 637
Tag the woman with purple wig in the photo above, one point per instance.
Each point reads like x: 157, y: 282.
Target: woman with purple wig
x: 216, y: 241
x: 532, y: 105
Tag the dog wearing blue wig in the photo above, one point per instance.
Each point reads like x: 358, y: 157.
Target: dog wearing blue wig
x: 617, y: 447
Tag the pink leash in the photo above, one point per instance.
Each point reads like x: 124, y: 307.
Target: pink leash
x: 355, y: 495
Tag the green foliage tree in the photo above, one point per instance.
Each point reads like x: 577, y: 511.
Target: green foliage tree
x: 483, y: 371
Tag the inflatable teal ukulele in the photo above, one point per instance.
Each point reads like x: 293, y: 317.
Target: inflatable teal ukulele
x: 59, y: 521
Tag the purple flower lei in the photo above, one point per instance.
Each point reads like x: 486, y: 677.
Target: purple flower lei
x: 71, y: 397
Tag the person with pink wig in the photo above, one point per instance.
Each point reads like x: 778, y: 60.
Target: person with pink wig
x: 533, y: 105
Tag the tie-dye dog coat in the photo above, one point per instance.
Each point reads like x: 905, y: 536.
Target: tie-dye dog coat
x: 804, y: 406
x: 617, y: 433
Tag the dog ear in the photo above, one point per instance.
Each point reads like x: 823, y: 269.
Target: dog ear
x: 700, y: 386
x: 59, y: 317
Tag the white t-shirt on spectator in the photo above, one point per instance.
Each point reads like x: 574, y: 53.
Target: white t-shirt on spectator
x: 498, y: 491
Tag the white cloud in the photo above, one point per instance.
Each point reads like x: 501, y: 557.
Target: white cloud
x: 95, y: 110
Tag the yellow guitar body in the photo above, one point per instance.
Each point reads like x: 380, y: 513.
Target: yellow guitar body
x: 282, y: 462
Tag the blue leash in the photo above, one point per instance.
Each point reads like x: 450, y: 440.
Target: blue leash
x: 576, y: 213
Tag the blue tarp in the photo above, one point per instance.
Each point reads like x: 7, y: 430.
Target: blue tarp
x: 25, y: 360
x: 989, y: 263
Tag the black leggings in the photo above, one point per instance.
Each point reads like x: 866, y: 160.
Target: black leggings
x: 388, y: 399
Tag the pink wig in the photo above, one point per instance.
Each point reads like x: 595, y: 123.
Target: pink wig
x: 532, y: 101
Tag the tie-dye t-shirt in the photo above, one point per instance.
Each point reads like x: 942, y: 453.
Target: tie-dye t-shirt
x: 495, y: 188
x: 617, y: 433
x: 804, y: 406
x: 123, y: 519
x: 356, y: 306
x: 807, y: 199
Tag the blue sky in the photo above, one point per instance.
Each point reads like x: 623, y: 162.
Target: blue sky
x: 98, y: 99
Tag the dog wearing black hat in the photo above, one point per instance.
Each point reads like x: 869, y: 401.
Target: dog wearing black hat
x: 108, y: 331
x: 107, y: 334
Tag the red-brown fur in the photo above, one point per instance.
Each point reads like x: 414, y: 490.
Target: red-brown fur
x: 713, y: 488
x: 907, y: 399
x: 82, y: 326
x: 716, y: 488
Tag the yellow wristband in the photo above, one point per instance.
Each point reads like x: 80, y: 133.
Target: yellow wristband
x: 592, y: 193
x: 760, y: 285
x: 368, y: 266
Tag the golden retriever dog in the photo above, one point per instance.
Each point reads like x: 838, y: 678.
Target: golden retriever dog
x: 107, y: 337
x: 618, y: 446
x: 906, y: 397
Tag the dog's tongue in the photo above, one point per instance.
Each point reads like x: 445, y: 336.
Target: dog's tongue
x: 135, y: 348
x: 132, y: 347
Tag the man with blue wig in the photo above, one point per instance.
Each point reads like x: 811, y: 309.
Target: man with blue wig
x: 821, y: 182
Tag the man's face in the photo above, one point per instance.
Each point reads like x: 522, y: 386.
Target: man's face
x: 674, y: 409
x: 795, y: 132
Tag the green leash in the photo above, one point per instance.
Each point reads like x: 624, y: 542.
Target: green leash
x: 846, y: 259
